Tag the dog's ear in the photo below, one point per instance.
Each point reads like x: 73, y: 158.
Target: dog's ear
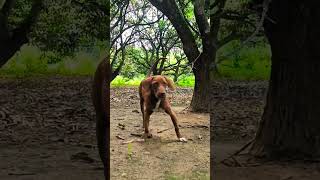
x: 146, y: 84
x: 170, y: 83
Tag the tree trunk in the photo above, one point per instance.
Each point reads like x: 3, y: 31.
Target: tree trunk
x: 290, y: 125
x: 5, y: 53
x: 176, y: 72
x: 11, y: 42
x: 163, y: 60
x: 8, y: 45
x: 101, y: 101
x: 200, y: 101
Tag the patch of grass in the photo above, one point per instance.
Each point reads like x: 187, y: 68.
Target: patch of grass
x: 80, y: 64
x: 121, y: 81
x: 29, y: 61
x: 130, y: 151
x: 250, y: 63
x: 26, y: 62
x: 186, y: 81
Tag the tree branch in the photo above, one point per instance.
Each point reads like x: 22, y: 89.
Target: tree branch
x: 258, y: 27
x: 93, y: 6
x: 5, y: 11
x: 21, y: 32
x: 173, y: 13
x: 201, y: 18
x: 232, y: 36
x: 215, y: 21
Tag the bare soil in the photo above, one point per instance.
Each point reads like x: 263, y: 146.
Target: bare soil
x: 236, y: 110
x: 162, y: 156
x: 47, y: 131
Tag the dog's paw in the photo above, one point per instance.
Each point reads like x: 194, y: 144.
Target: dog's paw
x: 183, y: 139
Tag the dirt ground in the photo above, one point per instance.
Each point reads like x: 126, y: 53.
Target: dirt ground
x: 236, y: 111
x: 161, y: 157
x: 47, y: 131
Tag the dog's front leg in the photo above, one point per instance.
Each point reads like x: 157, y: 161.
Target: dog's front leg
x: 146, y: 121
x: 168, y: 110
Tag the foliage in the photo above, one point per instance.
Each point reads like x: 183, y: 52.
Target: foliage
x: 253, y: 63
x: 30, y: 62
x: 250, y: 63
x: 79, y: 27
x: 73, y: 45
x: 186, y: 81
x: 64, y: 28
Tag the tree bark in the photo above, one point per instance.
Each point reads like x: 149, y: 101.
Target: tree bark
x: 12, y: 41
x: 290, y: 125
x: 101, y: 101
x: 201, y: 61
x: 176, y: 72
x: 8, y: 49
x: 201, y: 70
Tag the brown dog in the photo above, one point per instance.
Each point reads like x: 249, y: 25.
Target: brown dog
x: 152, y: 91
x: 101, y: 102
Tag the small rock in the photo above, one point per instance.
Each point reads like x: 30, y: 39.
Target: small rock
x: 135, y: 111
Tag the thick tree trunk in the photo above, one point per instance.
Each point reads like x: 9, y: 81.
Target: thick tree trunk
x: 8, y: 45
x: 290, y: 125
x: 101, y: 102
x: 200, y: 101
x: 11, y: 41
x: 8, y: 49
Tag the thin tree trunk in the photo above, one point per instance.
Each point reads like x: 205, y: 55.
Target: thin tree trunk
x: 163, y: 60
x: 176, y: 72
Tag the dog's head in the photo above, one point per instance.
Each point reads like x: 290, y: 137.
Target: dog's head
x: 159, y: 85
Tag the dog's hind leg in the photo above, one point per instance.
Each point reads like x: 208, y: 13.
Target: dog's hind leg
x: 142, y: 109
